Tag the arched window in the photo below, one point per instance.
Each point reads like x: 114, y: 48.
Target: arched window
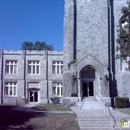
x: 87, y: 72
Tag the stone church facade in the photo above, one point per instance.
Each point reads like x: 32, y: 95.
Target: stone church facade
x: 89, y: 59
x: 90, y: 34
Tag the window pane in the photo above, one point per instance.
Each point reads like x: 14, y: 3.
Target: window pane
x: 57, y: 69
x: 15, y: 69
x: 7, y: 69
x: 10, y: 90
x: 33, y: 69
x: 54, y: 68
x: 61, y: 69
x: 58, y: 91
x: 14, y: 91
x: 29, y: 69
x: 11, y: 69
x: 61, y: 91
x: 6, y: 90
x: 37, y: 69
x: 54, y: 90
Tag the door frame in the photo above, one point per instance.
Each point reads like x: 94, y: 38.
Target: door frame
x: 88, y: 81
x: 38, y: 95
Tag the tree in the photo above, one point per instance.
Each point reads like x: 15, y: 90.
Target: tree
x: 42, y: 46
x: 124, y: 36
x: 27, y: 46
x: 36, y: 46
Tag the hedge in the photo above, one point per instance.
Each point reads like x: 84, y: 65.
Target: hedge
x: 121, y: 102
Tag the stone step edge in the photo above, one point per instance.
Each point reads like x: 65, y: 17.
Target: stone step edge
x: 99, y: 127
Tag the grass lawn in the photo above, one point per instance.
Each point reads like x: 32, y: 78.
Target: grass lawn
x: 10, y: 119
x: 51, y: 107
x: 124, y: 110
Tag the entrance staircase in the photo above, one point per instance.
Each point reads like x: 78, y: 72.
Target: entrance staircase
x: 91, y: 116
x: 92, y: 119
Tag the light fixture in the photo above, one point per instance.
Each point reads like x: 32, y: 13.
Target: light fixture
x: 107, y: 78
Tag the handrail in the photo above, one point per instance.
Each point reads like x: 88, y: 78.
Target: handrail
x: 109, y: 110
x: 82, y: 101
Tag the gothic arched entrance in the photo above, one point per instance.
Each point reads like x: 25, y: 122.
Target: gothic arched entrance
x: 87, y: 78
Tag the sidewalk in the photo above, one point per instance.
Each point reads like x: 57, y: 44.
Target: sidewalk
x: 28, y: 108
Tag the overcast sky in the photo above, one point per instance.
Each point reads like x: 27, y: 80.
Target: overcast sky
x: 31, y: 20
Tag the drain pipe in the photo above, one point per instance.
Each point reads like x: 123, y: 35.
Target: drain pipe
x: 75, y: 30
x: 46, y: 52
x: 24, y: 74
x: 1, y: 76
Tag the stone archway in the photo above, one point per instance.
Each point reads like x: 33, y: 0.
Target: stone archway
x: 87, y: 78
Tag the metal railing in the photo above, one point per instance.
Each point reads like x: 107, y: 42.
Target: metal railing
x: 106, y: 105
x: 82, y: 102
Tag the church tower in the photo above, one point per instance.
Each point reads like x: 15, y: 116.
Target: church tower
x: 90, y: 66
x: 86, y: 43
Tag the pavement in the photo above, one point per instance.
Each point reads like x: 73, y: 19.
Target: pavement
x: 28, y: 108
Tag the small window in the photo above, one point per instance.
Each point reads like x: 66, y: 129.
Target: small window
x: 57, y: 67
x: 33, y: 67
x: 57, y: 89
x: 10, y: 89
x: 11, y: 67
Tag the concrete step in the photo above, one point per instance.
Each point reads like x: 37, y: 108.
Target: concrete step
x: 91, y: 105
x: 90, y: 100
x: 94, y: 121
x: 91, y: 128
x: 96, y: 125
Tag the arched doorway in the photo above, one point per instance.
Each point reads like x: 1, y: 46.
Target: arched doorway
x: 87, y: 78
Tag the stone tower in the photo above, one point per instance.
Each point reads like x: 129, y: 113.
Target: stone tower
x: 90, y: 32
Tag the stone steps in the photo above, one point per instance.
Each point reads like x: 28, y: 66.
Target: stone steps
x: 90, y: 128
x: 92, y: 122
x: 90, y: 103
x: 96, y: 119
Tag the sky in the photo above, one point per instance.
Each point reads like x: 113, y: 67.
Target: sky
x: 31, y: 20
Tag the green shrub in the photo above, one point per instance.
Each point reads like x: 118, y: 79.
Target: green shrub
x: 72, y: 62
x: 122, y: 102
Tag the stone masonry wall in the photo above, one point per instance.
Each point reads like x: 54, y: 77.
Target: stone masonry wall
x: 19, y: 77
x: 92, y: 29
x: 68, y: 32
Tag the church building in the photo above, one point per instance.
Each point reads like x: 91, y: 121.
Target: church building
x: 87, y: 68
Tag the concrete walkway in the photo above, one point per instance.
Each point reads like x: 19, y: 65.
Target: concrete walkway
x: 28, y: 108
x: 95, y: 119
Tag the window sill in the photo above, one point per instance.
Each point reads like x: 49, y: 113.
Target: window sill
x: 11, y: 74
x: 57, y: 74
x: 10, y: 96
x: 33, y: 74
x: 57, y: 96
